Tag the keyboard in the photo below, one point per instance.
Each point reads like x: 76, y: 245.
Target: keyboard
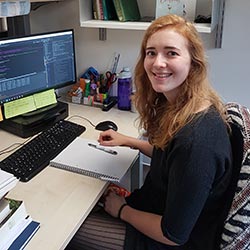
x: 36, y: 154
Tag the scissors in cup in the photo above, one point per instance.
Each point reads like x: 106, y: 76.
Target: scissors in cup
x: 110, y: 78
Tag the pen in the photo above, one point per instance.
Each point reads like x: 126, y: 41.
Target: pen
x: 107, y: 179
x: 110, y: 151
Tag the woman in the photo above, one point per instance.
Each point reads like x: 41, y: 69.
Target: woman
x: 180, y: 205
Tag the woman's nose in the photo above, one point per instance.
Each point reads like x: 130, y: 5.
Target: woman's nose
x: 160, y: 61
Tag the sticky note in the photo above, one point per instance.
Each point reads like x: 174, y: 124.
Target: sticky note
x: 18, y: 107
x: 1, y: 115
x: 45, y: 98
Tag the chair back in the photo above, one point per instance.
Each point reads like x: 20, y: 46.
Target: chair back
x: 236, y: 231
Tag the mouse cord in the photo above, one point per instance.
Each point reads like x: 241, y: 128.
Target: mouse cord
x: 14, y: 146
x: 78, y: 116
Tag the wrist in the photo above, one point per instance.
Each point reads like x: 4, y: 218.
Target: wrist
x: 132, y: 143
x: 120, y: 210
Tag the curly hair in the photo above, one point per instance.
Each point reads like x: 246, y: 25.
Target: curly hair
x: 160, y: 119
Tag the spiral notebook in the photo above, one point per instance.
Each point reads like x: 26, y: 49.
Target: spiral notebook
x: 87, y: 157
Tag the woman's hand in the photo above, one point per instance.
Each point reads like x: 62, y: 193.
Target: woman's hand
x: 113, y: 203
x: 112, y: 138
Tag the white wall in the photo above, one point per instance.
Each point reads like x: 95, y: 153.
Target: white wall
x: 229, y: 66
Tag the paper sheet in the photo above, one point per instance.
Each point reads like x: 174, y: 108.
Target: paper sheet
x: 1, y: 115
x: 18, y: 107
x: 45, y: 98
x: 9, y: 8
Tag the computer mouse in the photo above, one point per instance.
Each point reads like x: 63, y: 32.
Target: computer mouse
x: 105, y: 125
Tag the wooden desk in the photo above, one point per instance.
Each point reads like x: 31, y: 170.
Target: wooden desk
x: 61, y: 200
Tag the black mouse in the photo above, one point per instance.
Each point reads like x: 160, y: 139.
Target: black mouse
x: 105, y: 125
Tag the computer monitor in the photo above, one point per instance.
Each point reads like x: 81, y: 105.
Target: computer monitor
x: 32, y: 64
x: 36, y: 63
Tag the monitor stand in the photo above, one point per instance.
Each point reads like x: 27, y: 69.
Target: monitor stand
x: 36, y: 121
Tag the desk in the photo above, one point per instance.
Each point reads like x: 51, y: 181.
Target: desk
x: 61, y: 200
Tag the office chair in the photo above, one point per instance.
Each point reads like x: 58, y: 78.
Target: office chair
x: 236, y: 230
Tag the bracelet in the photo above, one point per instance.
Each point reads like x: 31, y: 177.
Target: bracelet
x: 120, y: 210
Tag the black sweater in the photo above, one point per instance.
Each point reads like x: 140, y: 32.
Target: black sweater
x: 186, y: 184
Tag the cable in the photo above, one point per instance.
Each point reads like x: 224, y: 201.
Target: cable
x: 78, y: 116
x: 18, y: 145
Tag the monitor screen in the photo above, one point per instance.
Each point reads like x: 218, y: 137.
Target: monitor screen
x: 36, y: 63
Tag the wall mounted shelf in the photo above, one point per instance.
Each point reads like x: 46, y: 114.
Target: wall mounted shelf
x: 215, y: 8
x: 201, y: 27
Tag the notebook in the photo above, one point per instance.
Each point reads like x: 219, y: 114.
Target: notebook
x: 87, y: 157
x: 24, y: 237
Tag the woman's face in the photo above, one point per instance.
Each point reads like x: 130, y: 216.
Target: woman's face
x: 167, y: 62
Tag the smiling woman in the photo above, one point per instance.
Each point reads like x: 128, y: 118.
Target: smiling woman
x: 181, y: 203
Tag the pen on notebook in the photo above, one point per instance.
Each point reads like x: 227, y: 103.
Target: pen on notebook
x: 110, y: 151
x: 107, y: 179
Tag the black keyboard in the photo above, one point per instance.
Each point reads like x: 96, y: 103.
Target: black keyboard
x: 35, y: 155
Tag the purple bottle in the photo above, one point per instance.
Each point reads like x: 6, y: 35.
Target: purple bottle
x: 124, y: 89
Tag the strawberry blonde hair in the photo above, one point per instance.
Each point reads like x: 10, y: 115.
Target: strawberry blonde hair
x: 161, y: 119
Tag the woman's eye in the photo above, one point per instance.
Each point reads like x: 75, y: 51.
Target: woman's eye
x: 150, y: 53
x: 172, y: 53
